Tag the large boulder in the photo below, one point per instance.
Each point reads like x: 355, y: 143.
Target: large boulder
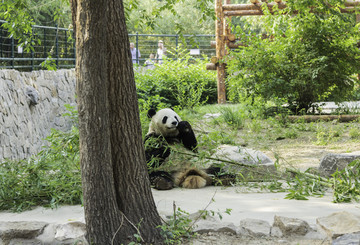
x: 339, y: 224
x: 231, y: 155
x: 332, y: 162
x: 291, y: 226
x: 20, y: 230
x: 254, y: 227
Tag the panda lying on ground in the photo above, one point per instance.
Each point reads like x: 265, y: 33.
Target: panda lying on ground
x: 166, y: 128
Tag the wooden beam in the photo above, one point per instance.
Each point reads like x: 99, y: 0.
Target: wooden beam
x: 352, y: 3
x: 211, y: 66
x: 259, y: 12
x: 214, y: 60
x: 231, y: 37
x: 315, y: 118
x: 243, y: 13
x: 220, y: 50
x: 230, y: 44
x: 257, y: 6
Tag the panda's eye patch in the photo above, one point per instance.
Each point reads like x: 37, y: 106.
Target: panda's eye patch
x: 176, y: 118
x: 164, y: 119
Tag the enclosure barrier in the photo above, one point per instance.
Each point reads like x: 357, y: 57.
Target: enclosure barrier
x: 57, y: 48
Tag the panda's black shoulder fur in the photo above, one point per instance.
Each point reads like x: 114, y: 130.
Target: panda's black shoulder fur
x: 187, y: 136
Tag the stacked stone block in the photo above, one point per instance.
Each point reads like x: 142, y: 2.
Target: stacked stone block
x: 23, y: 123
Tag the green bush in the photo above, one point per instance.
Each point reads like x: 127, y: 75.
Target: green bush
x: 50, y: 178
x: 184, y: 82
x: 309, y: 58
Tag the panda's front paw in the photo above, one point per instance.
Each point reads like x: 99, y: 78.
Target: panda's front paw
x: 161, y: 183
x: 161, y: 180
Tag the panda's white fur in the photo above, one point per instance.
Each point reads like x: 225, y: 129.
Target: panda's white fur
x: 164, y: 122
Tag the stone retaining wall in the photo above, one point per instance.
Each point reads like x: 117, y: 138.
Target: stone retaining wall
x: 31, y: 103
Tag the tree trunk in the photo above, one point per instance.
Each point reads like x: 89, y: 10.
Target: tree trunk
x: 117, y: 196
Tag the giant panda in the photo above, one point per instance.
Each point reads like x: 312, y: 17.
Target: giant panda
x: 166, y: 128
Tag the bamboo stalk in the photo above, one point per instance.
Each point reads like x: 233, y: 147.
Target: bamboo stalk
x: 322, y: 180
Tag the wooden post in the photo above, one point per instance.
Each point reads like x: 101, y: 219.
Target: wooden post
x: 220, y: 51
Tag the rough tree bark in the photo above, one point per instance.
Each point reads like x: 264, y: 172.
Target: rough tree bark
x: 117, y: 194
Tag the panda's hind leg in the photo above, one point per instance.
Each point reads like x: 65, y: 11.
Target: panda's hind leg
x: 161, y: 180
x: 219, y: 177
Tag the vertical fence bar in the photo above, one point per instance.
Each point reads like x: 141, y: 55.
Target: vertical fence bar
x: 57, y: 46
x: 45, y: 42
x: 1, y: 41
x: 74, y: 49
x: 65, y: 54
x: 32, y: 51
x: 176, y: 43
x: 137, y: 48
x: 12, y: 51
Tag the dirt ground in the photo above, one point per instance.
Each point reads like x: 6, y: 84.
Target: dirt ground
x: 302, y: 153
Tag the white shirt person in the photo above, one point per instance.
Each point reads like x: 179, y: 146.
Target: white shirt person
x: 133, y: 54
x: 161, y: 52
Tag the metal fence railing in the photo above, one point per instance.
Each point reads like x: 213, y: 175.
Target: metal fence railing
x: 55, y: 42
x: 58, y: 46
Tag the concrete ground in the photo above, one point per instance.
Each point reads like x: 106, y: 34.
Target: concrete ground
x: 262, y: 206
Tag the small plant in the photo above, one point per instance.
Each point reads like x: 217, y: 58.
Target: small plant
x: 255, y: 126
x: 354, y: 133
x: 233, y: 117
x: 177, y: 227
x: 291, y: 133
x: 326, y: 135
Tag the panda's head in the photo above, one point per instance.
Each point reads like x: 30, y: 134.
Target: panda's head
x: 164, y: 122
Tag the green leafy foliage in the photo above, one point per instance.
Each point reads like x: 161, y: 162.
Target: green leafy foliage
x: 19, y: 23
x: 346, y: 183
x: 49, y: 179
x: 177, y: 227
x: 307, y: 58
x: 170, y: 16
x: 183, y: 82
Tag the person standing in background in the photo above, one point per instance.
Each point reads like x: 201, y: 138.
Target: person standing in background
x: 161, y: 52
x: 133, y: 50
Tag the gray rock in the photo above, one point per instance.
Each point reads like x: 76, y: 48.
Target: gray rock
x: 72, y: 230
x: 331, y: 162
x: 275, y: 232
x: 243, y: 155
x: 291, y: 226
x: 348, y: 239
x: 338, y: 224
x: 205, y: 226
x: 254, y: 227
x: 20, y: 230
x: 32, y: 94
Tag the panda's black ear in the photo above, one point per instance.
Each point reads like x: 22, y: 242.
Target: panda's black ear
x: 151, y: 113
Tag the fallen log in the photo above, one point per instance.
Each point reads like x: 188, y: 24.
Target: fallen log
x: 315, y: 118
